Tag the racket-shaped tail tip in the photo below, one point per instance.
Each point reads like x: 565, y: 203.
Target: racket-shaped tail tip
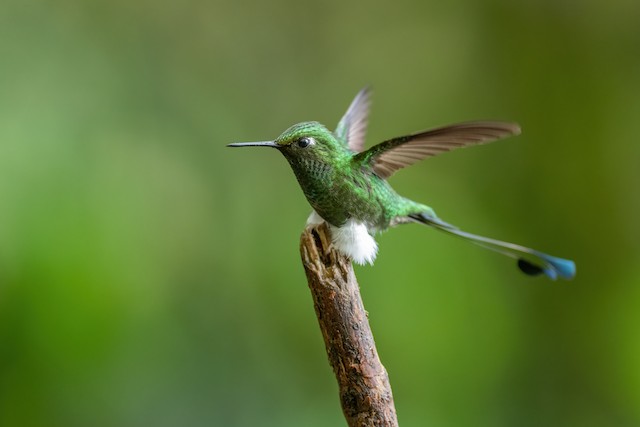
x: 553, y: 268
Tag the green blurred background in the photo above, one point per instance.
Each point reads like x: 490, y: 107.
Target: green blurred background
x: 150, y: 276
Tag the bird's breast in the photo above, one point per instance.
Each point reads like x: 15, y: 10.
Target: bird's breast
x: 339, y: 194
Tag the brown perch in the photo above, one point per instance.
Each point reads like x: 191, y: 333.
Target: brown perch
x: 365, y: 392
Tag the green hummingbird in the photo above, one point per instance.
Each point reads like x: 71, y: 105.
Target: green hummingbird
x: 348, y: 189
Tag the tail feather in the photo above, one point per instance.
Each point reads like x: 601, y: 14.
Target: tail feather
x: 530, y: 261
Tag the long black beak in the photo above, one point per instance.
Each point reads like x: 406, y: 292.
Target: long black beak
x: 254, y: 144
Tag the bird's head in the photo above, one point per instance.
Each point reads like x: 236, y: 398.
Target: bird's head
x: 305, y: 142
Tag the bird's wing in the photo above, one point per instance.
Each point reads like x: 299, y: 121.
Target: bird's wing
x: 389, y: 156
x: 353, y: 126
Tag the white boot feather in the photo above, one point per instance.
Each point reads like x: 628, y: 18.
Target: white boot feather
x: 352, y: 239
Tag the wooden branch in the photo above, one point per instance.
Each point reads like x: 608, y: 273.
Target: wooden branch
x: 365, y: 393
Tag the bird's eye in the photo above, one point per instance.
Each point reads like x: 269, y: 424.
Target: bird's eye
x: 305, y: 142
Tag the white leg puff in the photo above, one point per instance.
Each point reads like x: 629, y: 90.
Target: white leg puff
x: 352, y: 239
x: 314, y: 219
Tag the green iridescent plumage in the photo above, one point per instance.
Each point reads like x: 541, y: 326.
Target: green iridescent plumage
x: 336, y: 184
x: 346, y: 185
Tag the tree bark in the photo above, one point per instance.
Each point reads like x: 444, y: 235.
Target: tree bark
x: 365, y: 392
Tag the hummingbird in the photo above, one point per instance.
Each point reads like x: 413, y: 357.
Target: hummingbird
x: 347, y: 185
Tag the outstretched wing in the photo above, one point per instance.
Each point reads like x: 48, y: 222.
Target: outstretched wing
x: 389, y: 156
x: 353, y: 125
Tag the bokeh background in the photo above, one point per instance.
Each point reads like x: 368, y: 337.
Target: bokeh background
x: 151, y: 276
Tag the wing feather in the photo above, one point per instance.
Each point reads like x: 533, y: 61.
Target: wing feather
x: 352, y: 128
x: 389, y: 156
